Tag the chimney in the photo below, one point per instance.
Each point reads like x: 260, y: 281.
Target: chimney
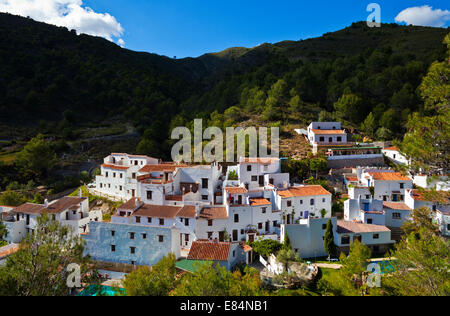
x: 197, y: 210
x: 45, y: 203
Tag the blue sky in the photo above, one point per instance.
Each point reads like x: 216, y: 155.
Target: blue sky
x: 193, y: 27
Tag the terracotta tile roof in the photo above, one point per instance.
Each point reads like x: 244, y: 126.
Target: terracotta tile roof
x: 205, y: 250
x: 417, y: 195
x: 29, y: 208
x: 328, y: 132
x: 389, y: 176
x: 394, y: 148
x: 259, y: 201
x: 246, y: 248
x: 260, y: 161
x: 115, y: 167
x: 345, y: 227
x: 130, y: 205
x: 63, y: 204
x: 187, y: 211
x: 400, y: 206
x: 8, y: 250
x: 160, y: 168
x: 214, y: 213
x: 236, y: 190
x: 159, y: 211
x: 308, y: 190
x: 351, y: 178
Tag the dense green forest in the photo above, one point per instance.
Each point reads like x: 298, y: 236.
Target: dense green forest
x: 53, y: 80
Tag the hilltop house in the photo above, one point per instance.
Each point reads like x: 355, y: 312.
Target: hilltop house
x: 326, y: 134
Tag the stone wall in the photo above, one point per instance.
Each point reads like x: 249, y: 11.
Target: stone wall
x: 353, y: 163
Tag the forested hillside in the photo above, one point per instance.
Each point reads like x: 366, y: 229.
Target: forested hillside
x: 54, y: 81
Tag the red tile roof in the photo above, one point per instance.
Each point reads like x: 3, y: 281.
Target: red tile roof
x: 8, y: 250
x: 389, y: 176
x: 259, y: 201
x: 236, y: 190
x: 187, y: 211
x: 115, y: 167
x: 159, y: 211
x: 130, y: 205
x: 309, y: 190
x: 394, y: 148
x: 160, y: 168
x: 345, y: 227
x: 400, y: 206
x: 63, y: 204
x: 29, y: 208
x: 260, y: 161
x: 205, y: 250
x: 328, y: 132
x: 214, y: 213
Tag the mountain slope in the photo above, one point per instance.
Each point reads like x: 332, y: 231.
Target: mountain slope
x: 50, y: 74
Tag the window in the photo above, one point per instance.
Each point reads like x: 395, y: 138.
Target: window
x: 236, y: 218
x: 339, y: 139
x: 254, y: 178
x: 204, y: 197
x: 138, y: 219
x: 301, y: 202
x: 132, y: 235
x: 369, y: 221
x: 376, y: 236
x: 161, y: 221
x: 242, y: 232
x: 396, y: 216
x: 324, y: 200
x: 186, y: 222
x: 132, y: 250
x: 266, y: 167
x: 234, y: 253
x: 121, y: 176
x: 367, y: 197
x: 113, y: 248
x: 264, y: 210
x: 345, y: 240
x: 149, y: 220
x: 275, y: 223
x: 260, y: 226
x: 210, y: 222
x: 312, y: 202
x: 133, y: 175
x: 204, y: 183
x: 210, y: 235
x: 249, y: 168
x: 133, y: 263
x: 120, y: 188
x: 144, y: 236
x: 402, y: 185
x: 106, y: 174
x: 324, y: 226
x: 161, y: 238
x: 322, y: 139
x: 113, y: 233
x: 149, y: 195
x: 114, y: 174
x: 289, y: 203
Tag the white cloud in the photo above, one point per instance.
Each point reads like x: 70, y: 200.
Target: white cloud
x: 424, y: 16
x: 69, y: 13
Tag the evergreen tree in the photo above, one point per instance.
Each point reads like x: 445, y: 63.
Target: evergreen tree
x: 329, y: 244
